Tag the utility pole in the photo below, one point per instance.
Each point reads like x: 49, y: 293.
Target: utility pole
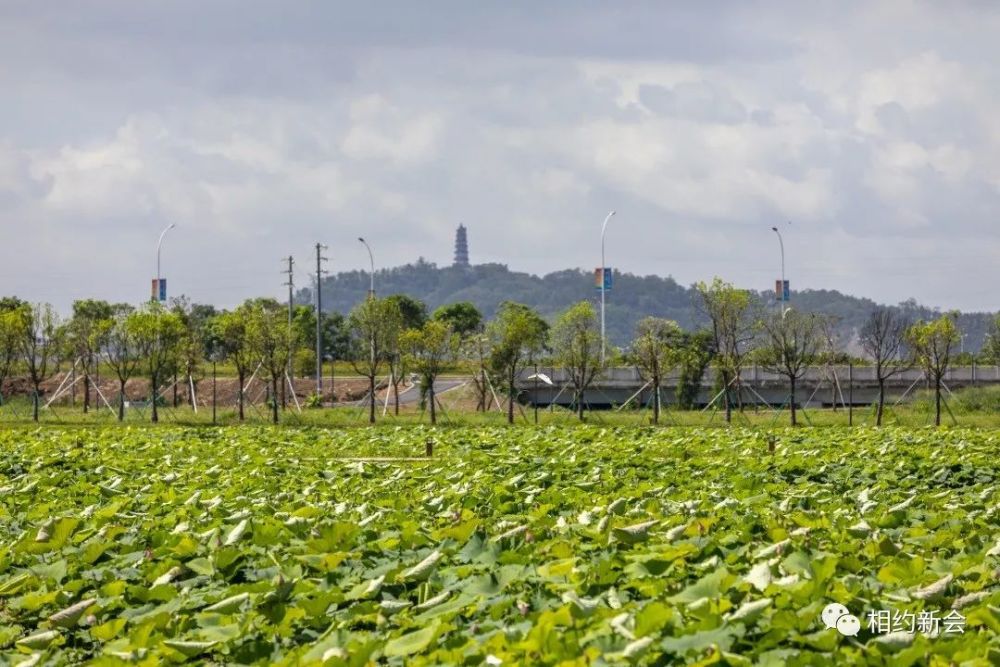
x: 319, y: 316
x: 291, y: 291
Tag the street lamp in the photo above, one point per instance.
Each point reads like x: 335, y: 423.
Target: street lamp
x: 371, y: 276
x: 371, y: 297
x: 781, y: 242
x: 604, y: 229
x: 158, y: 244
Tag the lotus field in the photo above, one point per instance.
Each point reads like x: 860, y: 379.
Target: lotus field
x: 567, y: 546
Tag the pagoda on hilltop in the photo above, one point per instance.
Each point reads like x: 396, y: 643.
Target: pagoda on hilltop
x: 461, y: 247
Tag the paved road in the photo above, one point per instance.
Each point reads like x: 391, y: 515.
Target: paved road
x: 409, y: 394
x: 412, y: 393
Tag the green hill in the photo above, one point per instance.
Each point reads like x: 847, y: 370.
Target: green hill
x: 632, y: 297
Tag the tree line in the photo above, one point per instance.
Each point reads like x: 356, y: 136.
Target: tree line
x: 395, y: 336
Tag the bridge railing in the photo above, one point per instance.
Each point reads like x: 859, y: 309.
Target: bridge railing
x: 629, y: 375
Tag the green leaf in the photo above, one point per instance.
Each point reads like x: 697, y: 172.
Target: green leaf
x: 709, y: 586
x: 411, y: 643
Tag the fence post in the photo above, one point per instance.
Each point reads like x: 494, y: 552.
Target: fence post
x: 850, y: 394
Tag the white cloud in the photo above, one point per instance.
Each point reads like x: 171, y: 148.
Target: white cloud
x: 262, y: 137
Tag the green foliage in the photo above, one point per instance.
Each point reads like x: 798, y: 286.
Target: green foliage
x: 463, y: 317
x: 933, y: 343
x: 554, y: 546
x: 333, y: 330
x: 694, y: 355
x: 515, y: 335
x: 991, y: 346
x: 413, y: 312
x: 428, y: 350
x: 375, y: 325
x: 157, y: 333
x: 730, y: 312
x: 576, y: 345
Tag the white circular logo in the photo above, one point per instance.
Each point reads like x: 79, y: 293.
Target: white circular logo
x: 848, y: 625
x: 837, y: 616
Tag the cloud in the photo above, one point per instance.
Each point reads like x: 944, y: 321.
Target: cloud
x: 261, y: 130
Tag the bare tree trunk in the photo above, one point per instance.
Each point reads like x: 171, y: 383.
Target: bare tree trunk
x: 791, y: 396
x: 725, y: 397
x: 880, y: 408
x: 937, y: 400
x: 152, y: 394
x: 656, y: 399
x: 395, y: 394
x: 579, y: 403
x: 430, y: 395
x: 239, y: 393
x: 34, y: 404
x: 86, y: 391
x: 274, y: 399
x: 510, y: 400
x: 121, y: 400
x: 175, y: 390
x: 371, y: 396
x: 482, y: 383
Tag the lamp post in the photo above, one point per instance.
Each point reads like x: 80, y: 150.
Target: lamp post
x: 158, y: 245
x: 371, y: 275
x: 604, y: 229
x: 781, y: 243
x: 371, y: 297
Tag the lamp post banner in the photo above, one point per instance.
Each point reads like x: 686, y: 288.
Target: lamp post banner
x: 159, y: 289
x: 782, y: 291
x: 602, y: 278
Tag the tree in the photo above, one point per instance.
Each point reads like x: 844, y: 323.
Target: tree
x: 515, y: 335
x: 158, y: 333
x: 121, y: 350
x: 412, y: 312
x: 196, y: 318
x: 85, y: 334
x: 791, y: 342
x: 39, y: 344
x: 697, y: 350
x: 655, y: 350
x: 932, y: 344
x: 883, y: 339
x: 11, y: 323
x: 231, y: 332
x: 334, y: 335
x: 463, y: 317
x: 398, y: 363
x: 269, y: 338
x: 374, y: 325
x: 429, y: 350
x: 477, y: 345
x: 730, y: 312
x: 991, y: 346
x: 576, y: 345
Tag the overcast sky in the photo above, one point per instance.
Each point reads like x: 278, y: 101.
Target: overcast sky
x: 260, y: 128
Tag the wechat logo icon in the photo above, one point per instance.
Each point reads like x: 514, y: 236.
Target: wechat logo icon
x: 836, y: 615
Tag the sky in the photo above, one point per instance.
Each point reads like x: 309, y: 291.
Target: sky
x: 867, y: 132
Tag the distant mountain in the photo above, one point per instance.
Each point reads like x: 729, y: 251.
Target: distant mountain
x: 630, y: 299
